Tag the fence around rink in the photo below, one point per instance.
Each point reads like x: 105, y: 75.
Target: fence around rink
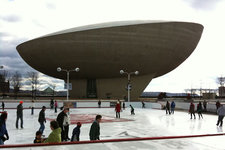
x: 107, y: 141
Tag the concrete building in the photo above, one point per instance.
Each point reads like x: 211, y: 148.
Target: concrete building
x: 154, y: 48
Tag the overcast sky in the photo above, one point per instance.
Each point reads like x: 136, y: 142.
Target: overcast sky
x: 22, y: 20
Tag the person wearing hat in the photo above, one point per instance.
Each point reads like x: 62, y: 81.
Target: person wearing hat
x: 41, y: 119
x: 19, y: 113
x: 3, y: 131
x: 76, y: 133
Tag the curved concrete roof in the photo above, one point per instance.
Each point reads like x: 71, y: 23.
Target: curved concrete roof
x: 101, y: 50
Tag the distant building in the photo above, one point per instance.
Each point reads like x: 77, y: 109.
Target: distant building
x: 153, y: 48
x: 48, y: 91
x: 222, y: 91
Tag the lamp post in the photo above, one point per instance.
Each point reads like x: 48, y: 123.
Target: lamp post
x: 59, y: 69
x: 128, y: 84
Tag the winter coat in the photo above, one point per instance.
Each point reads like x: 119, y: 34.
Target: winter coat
x: 41, y: 117
x: 76, y: 134
x: 60, y: 118
x: 66, y: 120
x: 167, y: 105
x: 3, y: 130
x: 56, y: 104
x: 192, y: 108
x: 54, y: 136
x: 94, y: 131
x: 19, y: 111
x: 173, y: 105
x: 117, y: 107
x: 221, y: 111
x: 199, y: 108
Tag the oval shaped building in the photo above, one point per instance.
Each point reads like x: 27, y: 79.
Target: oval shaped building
x: 154, y: 48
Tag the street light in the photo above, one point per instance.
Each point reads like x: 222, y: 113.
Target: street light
x: 59, y: 69
x: 128, y: 84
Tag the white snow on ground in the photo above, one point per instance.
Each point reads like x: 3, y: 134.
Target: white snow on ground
x: 147, y: 123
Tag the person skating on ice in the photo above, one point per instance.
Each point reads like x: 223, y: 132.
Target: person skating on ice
x: 168, y: 107
x: 19, y: 115
x: 192, y: 110
x: 221, y: 114
x: 199, y: 110
x: 76, y: 133
x: 95, y: 129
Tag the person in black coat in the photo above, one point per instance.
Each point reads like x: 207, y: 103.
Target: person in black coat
x: 3, y: 106
x: 168, y: 108
x: 60, y: 120
x: 76, y: 133
x: 95, y: 128
x: 3, y: 131
x: 42, y: 119
x: 19, y: 115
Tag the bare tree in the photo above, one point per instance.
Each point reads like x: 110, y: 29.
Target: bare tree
x: 221, y: 81
x: 4, y: 82
x: 16, y: 83
x: 33, y: 77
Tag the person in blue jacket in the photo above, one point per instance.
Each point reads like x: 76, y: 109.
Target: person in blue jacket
x: 3, y: 131
x: 76, y: 133
x: 172, y: 107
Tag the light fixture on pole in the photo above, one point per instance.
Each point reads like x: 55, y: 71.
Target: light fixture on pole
x: 128, y: 83
x: 59, y: 69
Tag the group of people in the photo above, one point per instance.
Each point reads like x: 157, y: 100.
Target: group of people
x: 118, y: 109
x: 170, y: 107
x: 199, y: 110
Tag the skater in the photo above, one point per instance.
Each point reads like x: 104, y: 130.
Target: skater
x: 76, y: 133
x: 3, y: 106
x: 99, y: 103
x: 132, y: 110
x: 143, y: 104
x: 56, y: 106
x: 66, y: 124
x: 3, y: 131
x: 199, y: 110
x: 192, y: 110
x: 95, y: 128
x: 32, y: 107
x: 19, y: 115
x: 42, y: 119
x: 167, y: 107
x: 221, y: 114
x: 217, y: 105
x: 60, y: 120
x: 55, y: 135
x: 51, y: 103
x: 172, y: 107
x: 123, y: 105
x: 117, y: 109
x: 205, y: 105
x: 38, y: 138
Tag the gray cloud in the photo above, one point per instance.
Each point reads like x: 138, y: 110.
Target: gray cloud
x: 11, y: 18
x: 51, y: 6
x: 203, y: 4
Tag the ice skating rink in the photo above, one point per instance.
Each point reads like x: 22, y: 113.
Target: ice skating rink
x: 145, y: 123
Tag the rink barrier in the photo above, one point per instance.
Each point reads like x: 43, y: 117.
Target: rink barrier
x: 108, y: 141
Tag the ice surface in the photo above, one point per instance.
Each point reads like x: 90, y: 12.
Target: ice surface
x: 147, y: 123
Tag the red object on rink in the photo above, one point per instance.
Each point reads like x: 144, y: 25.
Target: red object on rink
x: 89, y: 118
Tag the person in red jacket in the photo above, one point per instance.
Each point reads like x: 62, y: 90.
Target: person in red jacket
x: 117, y: 109
x: 192, y: 110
